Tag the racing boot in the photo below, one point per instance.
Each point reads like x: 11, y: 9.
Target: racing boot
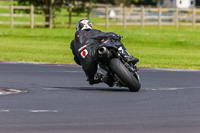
x: 97, y: 79
x: 108, y: 80
x: 127, y: 57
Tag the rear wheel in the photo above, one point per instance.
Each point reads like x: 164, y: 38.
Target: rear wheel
x: 124, y: 75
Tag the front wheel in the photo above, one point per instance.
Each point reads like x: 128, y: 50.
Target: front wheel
x: 124, y: 75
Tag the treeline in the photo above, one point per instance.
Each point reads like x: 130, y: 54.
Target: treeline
x: 127, y: 2
x: 56, y: 4
x: 136, y: 2
x: 113, y: 2
x: 198, y: 2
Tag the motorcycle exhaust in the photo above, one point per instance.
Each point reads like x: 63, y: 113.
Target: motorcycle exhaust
x: 103, y: 51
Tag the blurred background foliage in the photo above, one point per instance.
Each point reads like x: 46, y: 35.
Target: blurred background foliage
x: 113, y: 2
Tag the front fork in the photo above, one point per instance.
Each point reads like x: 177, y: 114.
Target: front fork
x: 132, y: 68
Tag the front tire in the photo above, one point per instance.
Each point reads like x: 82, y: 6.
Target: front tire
x: 124, y: 75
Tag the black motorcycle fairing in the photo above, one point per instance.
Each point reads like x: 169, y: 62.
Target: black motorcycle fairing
x: 107, y: 43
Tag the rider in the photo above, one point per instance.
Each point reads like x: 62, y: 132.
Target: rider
x: 84, y: 49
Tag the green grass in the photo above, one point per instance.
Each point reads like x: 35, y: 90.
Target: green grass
x: 161, y: 48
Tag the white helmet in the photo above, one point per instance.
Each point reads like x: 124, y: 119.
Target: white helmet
x: 84, y: 24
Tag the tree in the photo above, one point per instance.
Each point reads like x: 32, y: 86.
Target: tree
x: 56, y: 4
x: 144, y: 2
x: 197, y: 2
x: 125, y: 2
x: 105, y: 1
x: 128, y: 2
x: 46, y: 4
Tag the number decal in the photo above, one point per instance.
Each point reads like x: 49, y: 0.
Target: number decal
x: 84, y: 53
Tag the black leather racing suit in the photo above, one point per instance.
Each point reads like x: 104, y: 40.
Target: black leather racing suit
x: 84, y: 49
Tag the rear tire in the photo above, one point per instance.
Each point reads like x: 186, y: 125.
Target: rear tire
x: 124, y: 75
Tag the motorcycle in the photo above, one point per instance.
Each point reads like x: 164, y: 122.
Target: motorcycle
x: 114, y: 66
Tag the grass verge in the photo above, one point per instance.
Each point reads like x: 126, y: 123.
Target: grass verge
x: 161, y: 48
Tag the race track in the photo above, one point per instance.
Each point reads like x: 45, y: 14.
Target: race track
x: 53, y: 98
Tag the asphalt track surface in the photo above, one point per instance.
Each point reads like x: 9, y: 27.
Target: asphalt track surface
x: 57, y: 99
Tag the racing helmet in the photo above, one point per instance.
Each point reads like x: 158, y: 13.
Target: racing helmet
x: 84, y: 24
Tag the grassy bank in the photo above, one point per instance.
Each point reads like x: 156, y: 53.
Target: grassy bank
x: 161, y: 48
